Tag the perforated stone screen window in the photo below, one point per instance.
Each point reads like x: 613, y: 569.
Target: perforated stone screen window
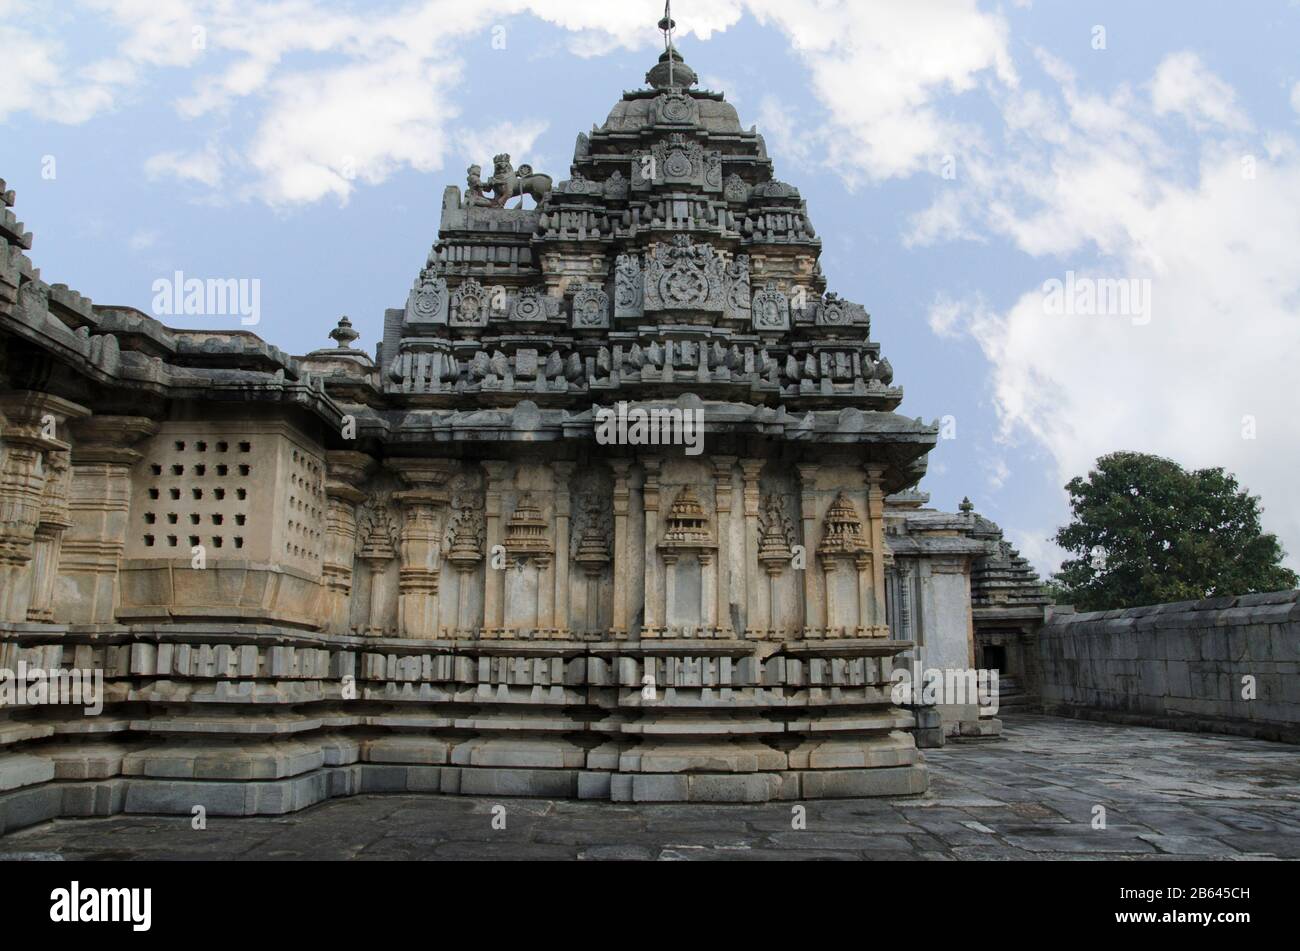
x: 253, y: 492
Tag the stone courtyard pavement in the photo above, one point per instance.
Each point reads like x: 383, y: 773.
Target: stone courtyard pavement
x: 1030, y: 795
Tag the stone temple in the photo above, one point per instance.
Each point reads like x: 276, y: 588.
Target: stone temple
x: 468, y: 564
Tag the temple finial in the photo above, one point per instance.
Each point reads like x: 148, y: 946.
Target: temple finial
x: 343, y: 334
x: 666, y: 26
x: 671, y: 71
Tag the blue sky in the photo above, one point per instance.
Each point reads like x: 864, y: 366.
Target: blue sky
x: 956, y: 157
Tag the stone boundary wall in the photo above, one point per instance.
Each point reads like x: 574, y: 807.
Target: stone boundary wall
x: 1180, y: 666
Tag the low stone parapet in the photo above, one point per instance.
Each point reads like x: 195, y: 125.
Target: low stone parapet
x: 264, y: 720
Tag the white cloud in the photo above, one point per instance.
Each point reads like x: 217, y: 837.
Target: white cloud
x: 1184, y: 85
x: 944, y: 220
x: 143, y: 240
x: 880, y: 66
x: 341, y: 95
x: 1037, y: 547
x: 996, y: 472
x: 305, y: 66
x: 1104, y: 195
x: 945, y: 316
x: 204, y: 167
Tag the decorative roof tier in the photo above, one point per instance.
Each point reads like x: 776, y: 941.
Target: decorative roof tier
x: 526, y: 532
x: 1003, y: 582
x: 687, y: 524
x: 842, y: 530
x: 671, y: 260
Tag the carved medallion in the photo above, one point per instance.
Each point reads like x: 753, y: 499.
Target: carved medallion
x: 428, y: 302
x: 833, y: 313
x: 469, y: 305
x: 676, y: 108
x: 527, y: 306
x: 616, y: 187
x: 590, y: 307
x: 771, y: 309
x: 736, y: 189
x: 678, y: 165
x: 684, y: 276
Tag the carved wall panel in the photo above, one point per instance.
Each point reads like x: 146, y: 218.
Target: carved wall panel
x: 684, y: 276
x: 428, y: 304
x: 629, y: 287
x: 470, y: 305
x: 590, y: 308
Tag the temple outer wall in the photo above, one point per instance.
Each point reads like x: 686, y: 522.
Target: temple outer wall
x: 1180, y: 666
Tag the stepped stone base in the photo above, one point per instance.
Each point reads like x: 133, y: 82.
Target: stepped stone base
x: 256, y: 720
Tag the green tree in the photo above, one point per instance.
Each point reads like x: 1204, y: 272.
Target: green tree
x: 1147, y: 531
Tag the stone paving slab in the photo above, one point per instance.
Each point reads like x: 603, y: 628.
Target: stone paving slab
x: 1027, y: 796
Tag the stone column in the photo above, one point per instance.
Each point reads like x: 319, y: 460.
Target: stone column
x: 874, y: 605
x: 49, y: 536
x: 563, y: 478
x: 377, y: 563
x: 29, y: 424
x: 808, y: 517
x: 654, y: 619
x: 99, y: 505
x: 670, y: 588
x: 622, y: 563
x: 759, y: 614
x: 346, y: 470
x: 722, y: 466
x: 424, y: 505
x: 708, y: 591
x: 494, y: 582
x: 867, y: 597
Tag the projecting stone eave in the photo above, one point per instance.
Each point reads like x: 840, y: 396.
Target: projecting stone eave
x: 132, y: 357
x: 937, y: 545
x: 223, y: 347
x: 1035, y: 612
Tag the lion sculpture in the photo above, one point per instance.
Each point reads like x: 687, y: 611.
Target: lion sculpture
x: 506, y: 183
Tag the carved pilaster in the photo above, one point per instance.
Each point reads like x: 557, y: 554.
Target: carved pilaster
x: 563, y: 477
x: 622, y: 564
x: 99, y: 505
x: 465, y: 537
x: 845, y: 541
x: 494, y: 585
x: 654, y: 607
x: 873, y: 615
x: 346, y: 471
x: 424, y: 503
x: 722, y: 491
x: 759, y: 612
x: 49, y: 536
x: 808, y: 517
x: 29, y: 425
x: 377, y: 544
